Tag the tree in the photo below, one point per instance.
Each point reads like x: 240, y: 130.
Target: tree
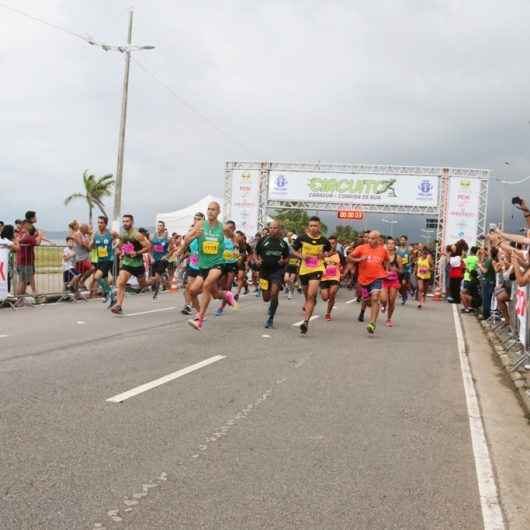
x: 295, y: 220
x: 96, y: 189
x: 346, y: 233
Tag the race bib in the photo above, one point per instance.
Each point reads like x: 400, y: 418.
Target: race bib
x: 194, y: 260
x: 210, y: 247
x: 158, y: 248
x: 264, y: 284
x: 228, y: 255
x: 331, y: 270
x: 311, y: 262
x: 293, y: 261
x: 103, y: 252
x: 404, y: 260
x: 423, y: 270
x: 127, y: 248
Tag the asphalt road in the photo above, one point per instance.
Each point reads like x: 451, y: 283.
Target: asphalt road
x: 334, y: 430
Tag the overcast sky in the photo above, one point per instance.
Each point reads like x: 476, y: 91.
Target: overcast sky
x: 422, y: 82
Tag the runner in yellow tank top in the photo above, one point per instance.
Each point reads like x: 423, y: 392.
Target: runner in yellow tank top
x: 423, y: 274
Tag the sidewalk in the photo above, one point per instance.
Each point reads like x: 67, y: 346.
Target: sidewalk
x: 506, y: 425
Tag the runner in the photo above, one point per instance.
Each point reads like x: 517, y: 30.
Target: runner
x: 329, y: 284
x: 311, y: 247
x: 101, y: 243
x: 245, y: 250
x: 133, y: 246
x: 209, y: 234
x: 291, y: 271
x: 404, y: 254
x: 424, y: 267
x: 272, y: 253
x: 231, y: 258
x: 372, y: 259
x: 192, y: 270
x: 160, y: 249
x: 391, y: 283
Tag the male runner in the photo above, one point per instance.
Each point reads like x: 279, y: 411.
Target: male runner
x: 272, y: 253
x: 372, y: 259
x: 102, y: 244
x: 160, y: 248
x: 133, y: 246
x: 329, y: 284
x: 404, y: 254
x: 210, y: 236
x: 291, y: 271
x: 230, y: 258
x: 311, y: 247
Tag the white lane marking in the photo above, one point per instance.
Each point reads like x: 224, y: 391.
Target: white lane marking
x: 81, y: 322
x: 350, y: 301
x: 301, y: 321
x: 150, y: 311
x: 266, y: 336
x: 489, y: 496
x: 118, y: 398
x: 3, y: 336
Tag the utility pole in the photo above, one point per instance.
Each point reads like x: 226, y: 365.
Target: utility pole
x: 123, y: 123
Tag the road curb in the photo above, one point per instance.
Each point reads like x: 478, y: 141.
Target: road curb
x: 519, y: 380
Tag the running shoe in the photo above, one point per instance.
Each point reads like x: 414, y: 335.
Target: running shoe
x: 327, y: 316
x: 360, y: 318
x: 236, y: 298
x: 290, y: 296
x: 269, y: 323
x: 187, y: 310
x: 370, y: 328
x: 196, y: 323
x: 229, y: 297
x: 419, y: 306
x: 246, y: 290
x: 116, y: 309
x: 389, y: 324
x: 218, y: 312
x: 304, y: 327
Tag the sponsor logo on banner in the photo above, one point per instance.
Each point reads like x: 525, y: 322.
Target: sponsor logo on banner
x: 425, y: 190
x: 281, y: 183
x: 245, y: 198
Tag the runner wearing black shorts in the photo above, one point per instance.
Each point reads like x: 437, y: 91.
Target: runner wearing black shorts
x: 272, y: 253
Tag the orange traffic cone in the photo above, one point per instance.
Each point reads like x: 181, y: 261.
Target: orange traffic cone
x: 173, y: 287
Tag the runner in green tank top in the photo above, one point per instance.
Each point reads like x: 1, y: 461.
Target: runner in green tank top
x: 210, y: 236
x: 133, y: 245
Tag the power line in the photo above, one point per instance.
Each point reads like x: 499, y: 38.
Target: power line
x: 192, y: 108
x: 45, y: 22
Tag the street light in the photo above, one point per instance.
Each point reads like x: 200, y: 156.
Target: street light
x: 391, y: 222
x: 127, y: 50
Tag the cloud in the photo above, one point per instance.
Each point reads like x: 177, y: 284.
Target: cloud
x: 402, y: 82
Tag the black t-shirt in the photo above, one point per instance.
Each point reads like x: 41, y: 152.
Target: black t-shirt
x: 311, y: 248
x: 271, y: 250
x: 244, y: 251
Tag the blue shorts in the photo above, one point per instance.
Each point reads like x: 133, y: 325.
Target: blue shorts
x: 367, y: 290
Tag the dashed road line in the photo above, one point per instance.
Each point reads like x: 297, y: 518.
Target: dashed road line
x: 150, y: 311
x: 119, y: 398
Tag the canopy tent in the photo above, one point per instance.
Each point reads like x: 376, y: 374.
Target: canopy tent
x: 180, y: 221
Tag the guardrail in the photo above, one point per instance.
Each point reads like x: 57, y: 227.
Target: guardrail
x: 515, y: 335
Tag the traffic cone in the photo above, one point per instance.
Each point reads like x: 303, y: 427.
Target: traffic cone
x: 173, y: 287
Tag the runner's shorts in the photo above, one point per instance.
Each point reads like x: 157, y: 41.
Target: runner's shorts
x: 192, y: 273
x: 203, y: 273
x: 373, y: 287
x: 138, y: 272
x: 326, y: 284
x: 83, y: 266
x: 229, y: 267
x: 266, y: 278
x: 404, y: 276
x: 291, y: 269
x: 159, y: 267
x: 69, y: 275
x: 25, y: 273
x: 105, y: 266
x: 391, y: 281
x: 306, y: 278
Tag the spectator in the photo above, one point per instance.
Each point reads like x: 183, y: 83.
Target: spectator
x: 486, y: 264
x: 503, y: 291
x: 471, y: 266
x: 8, y: 240
x: 69, y: 272
x: 26, y: 260
x: 2, y: 224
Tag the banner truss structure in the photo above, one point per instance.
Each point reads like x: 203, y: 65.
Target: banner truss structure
x: 457, y: 197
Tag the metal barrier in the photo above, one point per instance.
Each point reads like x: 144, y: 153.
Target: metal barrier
x: 515, y: 335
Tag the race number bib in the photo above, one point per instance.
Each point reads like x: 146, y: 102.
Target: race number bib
x: 210, y: 247
x: 264, y: 284
x: 158, y: 248
x: 311, y: 262
x: 127, y: 248
x: 228, y: 255
x: 423, y: 270
x: 331, y: 270
x: 103, y: 252
x: 293, y: 261
x: 404, y: 260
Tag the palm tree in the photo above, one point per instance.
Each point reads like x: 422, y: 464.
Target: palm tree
x: 96, y: 188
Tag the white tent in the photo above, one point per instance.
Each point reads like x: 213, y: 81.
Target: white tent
x: 180, y: 221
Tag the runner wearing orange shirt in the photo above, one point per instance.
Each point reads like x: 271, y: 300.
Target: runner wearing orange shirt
x: 372, y: 259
